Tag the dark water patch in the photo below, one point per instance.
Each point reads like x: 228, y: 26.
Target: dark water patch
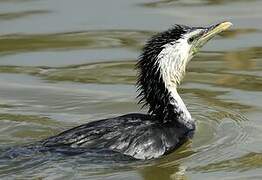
x: 6, y: 106
x: 14, y: 1
x: 119, y: 72
x: 107, y: 72
x: 168, y: 3
x: 19, y: 69
x: 17, y: 43
x: 23, y: 14
x: 25, y: 128
x: 191, y: 3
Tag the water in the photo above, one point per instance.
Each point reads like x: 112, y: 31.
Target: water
x: 65, y: 63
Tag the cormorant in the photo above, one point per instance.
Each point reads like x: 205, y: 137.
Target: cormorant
x: 168, y: 123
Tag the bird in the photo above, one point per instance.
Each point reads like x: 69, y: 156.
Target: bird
x: 168, y: 123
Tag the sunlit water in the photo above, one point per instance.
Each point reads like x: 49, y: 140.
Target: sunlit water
x: 65, y: 63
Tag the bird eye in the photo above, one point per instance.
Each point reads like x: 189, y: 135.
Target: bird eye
x: 190, y: 40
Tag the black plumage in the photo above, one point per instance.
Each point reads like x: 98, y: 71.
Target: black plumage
x: 142, y: 136
x: 134, y: 135
x: 151, y: 87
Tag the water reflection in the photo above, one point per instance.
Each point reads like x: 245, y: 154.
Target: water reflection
x: 168, y: 167
x: 155, y: 173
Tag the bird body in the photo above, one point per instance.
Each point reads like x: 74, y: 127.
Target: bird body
x: 168, y: 123
x: 134, y: 135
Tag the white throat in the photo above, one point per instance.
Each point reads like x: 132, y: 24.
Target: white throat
x: 172, y: 63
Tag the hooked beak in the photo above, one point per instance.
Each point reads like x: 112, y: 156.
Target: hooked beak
x: 213, y: 30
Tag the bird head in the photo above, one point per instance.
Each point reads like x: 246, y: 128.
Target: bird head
x: 163, y: 61
x: 197, y: 37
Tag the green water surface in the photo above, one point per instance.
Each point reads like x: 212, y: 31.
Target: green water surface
x: 64, y: 63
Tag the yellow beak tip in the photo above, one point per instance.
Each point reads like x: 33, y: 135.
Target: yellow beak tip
x: 225, y: 25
